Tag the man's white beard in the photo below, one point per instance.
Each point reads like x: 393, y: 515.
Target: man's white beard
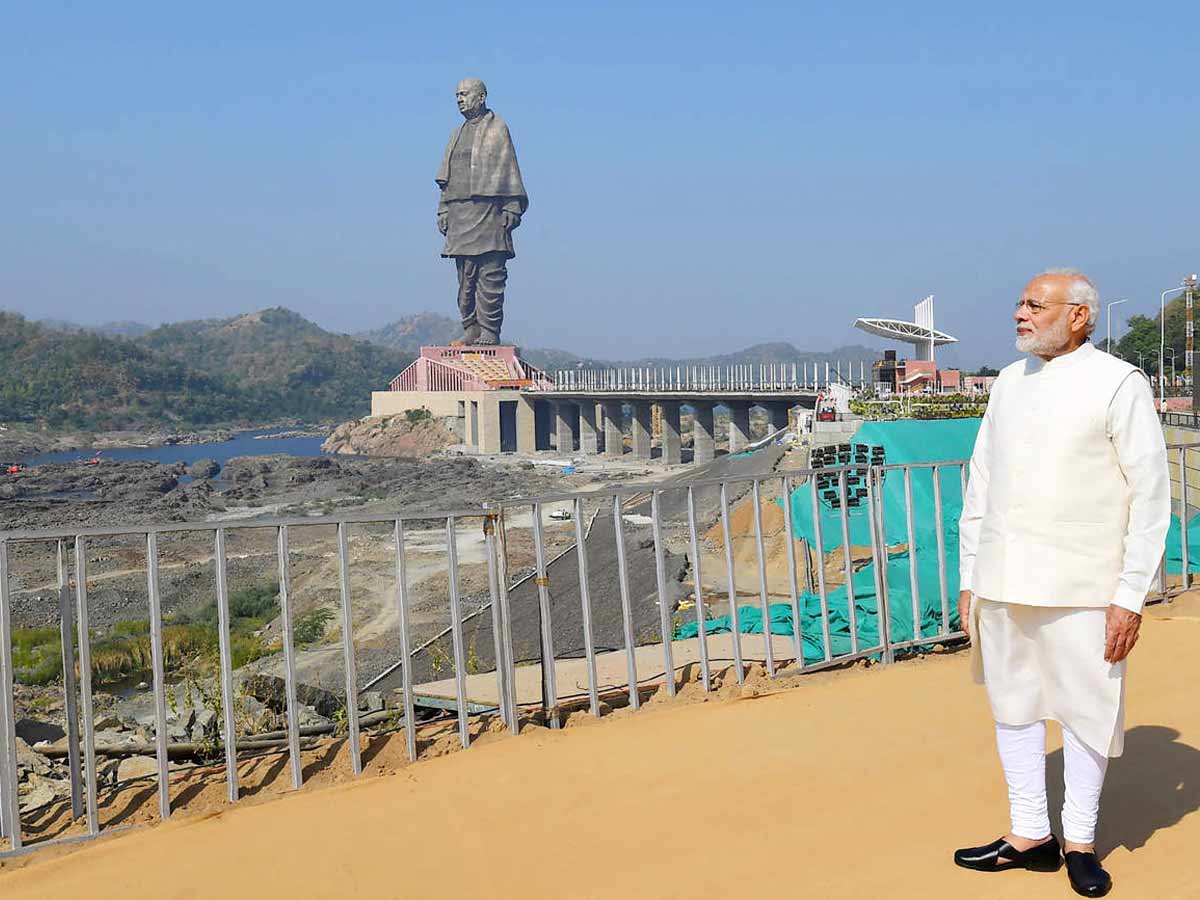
x: 1047, y: 341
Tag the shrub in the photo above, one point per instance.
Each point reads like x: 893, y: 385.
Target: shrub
x: 37, y: 655
x: 417, y: 416
x: 310, y: 627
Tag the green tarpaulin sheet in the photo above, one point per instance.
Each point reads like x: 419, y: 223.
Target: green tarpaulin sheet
x: 910, y: 441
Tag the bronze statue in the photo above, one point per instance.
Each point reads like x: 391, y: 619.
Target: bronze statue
x: 482, y: 201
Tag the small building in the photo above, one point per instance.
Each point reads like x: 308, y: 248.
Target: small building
x: 488, y: 396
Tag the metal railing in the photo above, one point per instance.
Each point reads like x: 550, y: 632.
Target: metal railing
x: 750, y: 378
x: 677, y: 516
x: 1180, y: 419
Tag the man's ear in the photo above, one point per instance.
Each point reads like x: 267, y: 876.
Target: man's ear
x: 1079, y: 318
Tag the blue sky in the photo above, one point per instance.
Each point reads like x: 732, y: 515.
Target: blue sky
x: 701, y: 178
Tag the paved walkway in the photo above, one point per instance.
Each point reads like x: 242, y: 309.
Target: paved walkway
x: 853, y: 784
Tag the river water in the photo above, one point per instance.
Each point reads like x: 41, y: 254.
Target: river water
x: 244, y: 443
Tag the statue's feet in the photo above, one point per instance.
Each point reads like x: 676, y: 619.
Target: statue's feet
x: 471, y: 334
x: 487, y: 338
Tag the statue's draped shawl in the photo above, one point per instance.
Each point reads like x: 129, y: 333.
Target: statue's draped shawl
x: 494, y: 170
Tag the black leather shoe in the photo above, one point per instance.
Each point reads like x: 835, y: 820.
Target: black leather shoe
x: 1045, y: 857
x: 1088, y: 877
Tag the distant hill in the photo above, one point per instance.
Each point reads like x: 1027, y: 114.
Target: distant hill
x: 288, y: 362
x: 412, y: 332
x: 257, y: 367
x: 108, y: 329
x: 86, y: 380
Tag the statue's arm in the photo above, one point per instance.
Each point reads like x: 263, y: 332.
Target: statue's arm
x: 443, y: 215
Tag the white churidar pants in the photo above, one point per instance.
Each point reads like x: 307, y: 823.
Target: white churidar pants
x: 1023, y: 756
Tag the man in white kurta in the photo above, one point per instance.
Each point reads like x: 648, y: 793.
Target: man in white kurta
x: 1062, y: 530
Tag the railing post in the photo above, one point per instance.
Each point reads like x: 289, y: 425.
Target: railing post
x: 763, y: 597
x: 914, y: 585
x: 502, y: 688
x: 941, y: 548
x: 351, y: 670
x: 289, y: 656
x: 660, y: 570
x: 549, y: 680
x: 158, y: 666
x: 85, y: 687
x: 585, y: 601
x: 66, y: 632
x: 1183, y: 516
x: 793, y: 587
x: 406, y: 681
x: 10, y: 810
x: 226, y: 660
x: 727, y: 533
x: 456, y: 638
x: 880, y: 557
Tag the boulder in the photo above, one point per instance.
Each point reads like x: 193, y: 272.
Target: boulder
x: 108, y: 722
x: 36, y: 793
x: 205, y: 725
x: 204, y: 468
x: 184, y: 719
x: 110, y: 738
x: 136, y: 767
x: 30, y: 760
x: 309, y: 716
x: 370, y: 701
x: 32, y: 731
x: 272, y: 691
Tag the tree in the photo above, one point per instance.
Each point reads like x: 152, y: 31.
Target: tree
x: 1140, y: 344
x: 986, y: 372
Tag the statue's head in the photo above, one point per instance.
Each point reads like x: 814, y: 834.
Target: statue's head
x: 471, y: 95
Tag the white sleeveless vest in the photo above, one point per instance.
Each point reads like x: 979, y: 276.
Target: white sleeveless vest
x: 1053, y: 530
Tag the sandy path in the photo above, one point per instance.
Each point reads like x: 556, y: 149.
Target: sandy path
x: 853, y: 784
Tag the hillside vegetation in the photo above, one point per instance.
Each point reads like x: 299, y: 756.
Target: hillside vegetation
x: 252, y: 368
x: 290, y: 365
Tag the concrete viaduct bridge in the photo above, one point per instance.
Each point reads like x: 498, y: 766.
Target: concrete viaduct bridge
x: 498, y: 403
x: 586, y: 408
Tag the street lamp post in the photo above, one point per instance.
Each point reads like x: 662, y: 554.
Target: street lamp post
x: 1108, y: 343
x: 1162, y: 337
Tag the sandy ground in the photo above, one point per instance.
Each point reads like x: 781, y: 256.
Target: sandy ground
x: 851, y: 783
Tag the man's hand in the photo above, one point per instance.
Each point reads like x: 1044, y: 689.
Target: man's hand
x: 1120, y: 632
x: 964, y: 613
x: 443, y: 222
x: 510, y: 219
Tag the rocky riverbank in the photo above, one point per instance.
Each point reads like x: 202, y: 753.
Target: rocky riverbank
x: 19, y: 442
x: 390, y: 436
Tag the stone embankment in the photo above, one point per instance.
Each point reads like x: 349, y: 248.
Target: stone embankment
x: 389, y: 436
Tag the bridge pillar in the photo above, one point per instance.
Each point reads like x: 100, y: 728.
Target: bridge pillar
x: 527, y: 431
x: 780, y: 415
x: 589, y: 429
x: 704, y: 445
x: 566, y: 425
x: 641, y: 429
x: 614, y: 437
x: 739, y: 425
x: 672, y: 448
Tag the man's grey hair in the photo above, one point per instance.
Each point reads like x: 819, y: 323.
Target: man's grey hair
x: 1080, y: 290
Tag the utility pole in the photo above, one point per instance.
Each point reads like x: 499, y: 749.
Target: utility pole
x: 1189, y: 285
